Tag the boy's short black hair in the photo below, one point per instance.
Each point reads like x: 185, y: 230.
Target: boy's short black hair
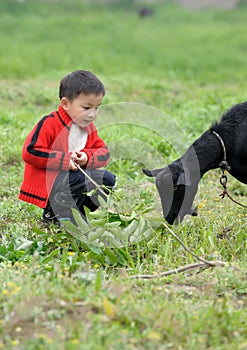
x: 80, y: 82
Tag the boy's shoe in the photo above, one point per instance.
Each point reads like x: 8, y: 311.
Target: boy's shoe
x: 53, y: 220
x: 50, y: 218
x: 61, y: 220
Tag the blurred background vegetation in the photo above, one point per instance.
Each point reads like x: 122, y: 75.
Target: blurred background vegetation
x: 41, y: 38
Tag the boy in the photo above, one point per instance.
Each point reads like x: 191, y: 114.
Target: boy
x: 59, y: 143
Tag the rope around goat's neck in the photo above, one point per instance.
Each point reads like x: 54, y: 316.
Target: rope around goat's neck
x: 224, y: 166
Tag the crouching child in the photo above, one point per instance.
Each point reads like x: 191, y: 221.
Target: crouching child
x: 61, y: 142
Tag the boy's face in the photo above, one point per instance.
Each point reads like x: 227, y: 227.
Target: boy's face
x: 83, y: 109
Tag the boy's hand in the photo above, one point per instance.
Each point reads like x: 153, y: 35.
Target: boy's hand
x: 79, y: 158
x: 72, y: 165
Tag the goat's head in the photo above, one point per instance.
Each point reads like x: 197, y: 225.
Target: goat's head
x: 176, y: 192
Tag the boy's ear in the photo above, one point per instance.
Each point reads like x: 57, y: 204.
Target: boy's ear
x: 64, y: 102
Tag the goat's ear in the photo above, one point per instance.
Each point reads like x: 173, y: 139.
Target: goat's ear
x: 151, y: 173
x: 184, y: 178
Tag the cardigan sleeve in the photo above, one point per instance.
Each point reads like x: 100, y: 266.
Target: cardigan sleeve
x: 45, y: 146
x: 96, y: 150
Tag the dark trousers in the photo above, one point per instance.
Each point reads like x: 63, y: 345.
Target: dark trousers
x: 71, y: 189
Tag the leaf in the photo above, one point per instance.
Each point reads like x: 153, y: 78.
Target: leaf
x: 87, y: 212
x: 79, y: 220
x: 119, y: 234
x: 142, y: 224
x: 130, y: 229
x: 3, y: 250
x: 147, y: 210
x: 114, y: 224
x: 49, y: 257
x: 102, y: 202
x: 155, y: 222
x: 110, y: 201
x: 128, y: 218
x: 148, y: 233
x: 242, y: 291
x: 38, y: 231
x: 96, y: 250
x: 2, y: 257
x: 109, y: 308
x: 114, y: 243
x: 94, y: 257
x: 98, y: 280
x: 124, y: 217
x: 134, y: 239
x: 99, y: 222
x: 152, y: 242
x: 107, y: 234
x: 139, y: 235
x: 71, y: 228
x: 111, y: 256
x: 93, y: 235
x: 97, y: 214
x: 25, y: 245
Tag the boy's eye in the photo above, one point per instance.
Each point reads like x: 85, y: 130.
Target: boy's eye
x: 87, y: 108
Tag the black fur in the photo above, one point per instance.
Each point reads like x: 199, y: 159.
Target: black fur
x: 177, y: 183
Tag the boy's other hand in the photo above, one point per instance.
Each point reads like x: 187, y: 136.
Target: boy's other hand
x: 72, y: 165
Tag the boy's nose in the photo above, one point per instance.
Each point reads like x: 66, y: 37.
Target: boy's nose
x: 92, y: 112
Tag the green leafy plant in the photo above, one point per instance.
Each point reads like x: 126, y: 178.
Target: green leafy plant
x: 108, y: 236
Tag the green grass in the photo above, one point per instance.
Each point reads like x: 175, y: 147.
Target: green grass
x: 168, y: 77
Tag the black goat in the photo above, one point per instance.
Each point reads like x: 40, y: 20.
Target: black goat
x: 177, y: 183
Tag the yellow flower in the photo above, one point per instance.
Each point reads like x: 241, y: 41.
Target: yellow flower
x: 15, y: 342
x: 202, y: 204
x: 71, y: 253
x: 11, y: 285
x: 153, y: 335
x: 42, y: 336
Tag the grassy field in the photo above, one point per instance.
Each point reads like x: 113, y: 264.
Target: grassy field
x: 168, y: 77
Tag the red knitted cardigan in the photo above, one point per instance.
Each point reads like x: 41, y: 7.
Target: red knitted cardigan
x: 45, y: 153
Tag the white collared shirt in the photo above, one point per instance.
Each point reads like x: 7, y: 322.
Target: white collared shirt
x: 77, y: 138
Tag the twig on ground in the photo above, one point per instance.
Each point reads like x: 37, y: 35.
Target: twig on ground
x: 181, y: 269
x: 186, y: 248
x: 204, y: 264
